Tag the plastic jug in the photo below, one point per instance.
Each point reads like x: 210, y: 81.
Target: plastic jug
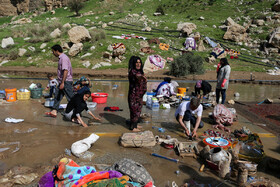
x: 149, y: 101
x: 155, y: 105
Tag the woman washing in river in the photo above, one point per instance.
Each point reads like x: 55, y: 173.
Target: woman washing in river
x: 76, y: 106
x: 137, y: 88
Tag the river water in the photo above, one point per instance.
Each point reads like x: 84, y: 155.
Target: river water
x: 40, y: 138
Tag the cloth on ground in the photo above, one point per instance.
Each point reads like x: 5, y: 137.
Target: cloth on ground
x: 213, y: 44
x: 222, y: 116
x: 190, y: 43
x: 114, y: 182
x: 112, y: 108
x: 13, y: 120
x: 70, y: 174
x: 154, y: 63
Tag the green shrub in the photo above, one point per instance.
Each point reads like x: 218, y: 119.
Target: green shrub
x: 75, y: 6
x: 13, y: 55
x: 187, y: 64
x: 97, y: 35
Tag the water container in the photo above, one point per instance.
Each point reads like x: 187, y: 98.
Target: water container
x: 149, y: 101
x: 155, y: 105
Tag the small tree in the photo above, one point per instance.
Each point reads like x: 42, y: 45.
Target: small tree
x: 75, y: 6
x: 186, y: 64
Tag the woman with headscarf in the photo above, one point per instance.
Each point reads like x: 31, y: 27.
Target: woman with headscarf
x: 76, y: 106
x: 168, y: 90
x: 204, y: 86
x: 223, y: 72
x: 137, y: 88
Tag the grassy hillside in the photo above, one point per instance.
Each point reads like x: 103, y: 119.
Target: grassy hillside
x: 215, y: 12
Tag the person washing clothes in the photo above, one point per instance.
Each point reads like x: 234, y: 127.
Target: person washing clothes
x: 204, y: 86
x: 223, y: 73
x: 185, y: 116
x: 51, y: 85
x: 166, y: 80
x: 76, y: 106
x: 167, y: 90
x: 82, y: 85
x: 137, y: 89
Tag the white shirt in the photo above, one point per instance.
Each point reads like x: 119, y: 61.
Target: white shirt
x: 184, y: 106
x: 52, y: 82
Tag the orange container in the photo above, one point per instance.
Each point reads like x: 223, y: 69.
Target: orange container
x: 182, y: 91
x: 99, y: 97
x: 11, y: 94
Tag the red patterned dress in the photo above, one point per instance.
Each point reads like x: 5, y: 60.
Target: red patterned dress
x: 137, y: 88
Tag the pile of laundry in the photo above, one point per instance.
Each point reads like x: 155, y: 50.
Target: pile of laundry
x: 125, y: 172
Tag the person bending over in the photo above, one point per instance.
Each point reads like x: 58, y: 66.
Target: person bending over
x: 76, y: 106
x: 204, y: 86
x: 185, y: 116
x: 168, y: 90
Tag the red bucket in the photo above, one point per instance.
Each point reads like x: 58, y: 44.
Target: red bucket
x: 99, y: 97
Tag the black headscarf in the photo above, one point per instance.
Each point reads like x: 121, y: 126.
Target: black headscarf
x: 224, y: 63
x: 132, y: 64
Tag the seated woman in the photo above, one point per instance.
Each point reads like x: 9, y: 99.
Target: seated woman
x: 204, y: 86
x: 167, y: 90
x: 76, y: 106
x: 82, y: 85
x: 166, y: 80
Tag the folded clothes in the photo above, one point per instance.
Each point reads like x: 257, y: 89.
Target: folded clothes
x: 13, y: 120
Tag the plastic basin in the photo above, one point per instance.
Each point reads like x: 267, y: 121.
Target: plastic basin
x: 99, y: 97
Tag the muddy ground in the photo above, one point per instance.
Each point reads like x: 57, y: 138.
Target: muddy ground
x: 44, y: 139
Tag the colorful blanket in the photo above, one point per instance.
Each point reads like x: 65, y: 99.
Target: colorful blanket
x: 70, y: 174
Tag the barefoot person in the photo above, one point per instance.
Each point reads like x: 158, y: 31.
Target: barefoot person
x: 76, y: 106
x: 137, y: 88
x: 185, y: 116
x: 65, y: 80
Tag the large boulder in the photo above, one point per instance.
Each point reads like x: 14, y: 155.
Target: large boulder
x: 56, y: 33
x: 75, y: 49
x: 7, y: 8
x: 11, y: 8
x: 7, y: 41
x: 274, y: 38
x: 186, y: 28
x: 236, y: 33
x: 78, y: 34
x: 276, y: 6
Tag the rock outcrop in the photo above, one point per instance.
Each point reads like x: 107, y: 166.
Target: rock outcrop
x: 186, y: 28
x: 236, y: 33
x: 274, y: 38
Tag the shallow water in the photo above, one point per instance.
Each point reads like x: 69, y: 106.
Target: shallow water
x: 43, y: 138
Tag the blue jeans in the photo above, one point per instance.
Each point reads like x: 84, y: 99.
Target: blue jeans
x: 52, y: 91
x: 223, y: 92
x: 59, y: 94
x: 189, y: 117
